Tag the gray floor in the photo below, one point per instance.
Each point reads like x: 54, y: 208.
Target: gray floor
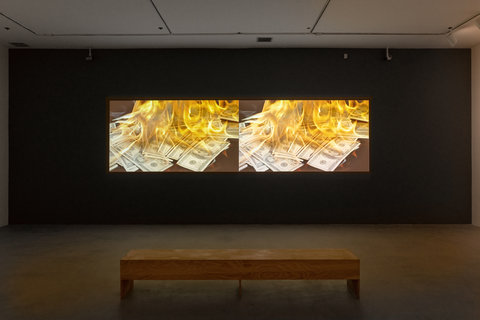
x: 407, y: 272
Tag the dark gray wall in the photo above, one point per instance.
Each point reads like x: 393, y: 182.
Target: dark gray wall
x: 419, y: 148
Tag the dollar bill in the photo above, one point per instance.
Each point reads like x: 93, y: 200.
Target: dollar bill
x: 332, y: 155
x: 134, y: 155
x: 164, y: 148
x: 362, y: 130
x: 282, y: 150
x: 313, y: 146
x: 129, y: 166
x: 199, y: 157
x: 151, y: 164
x: 359, y: 111
x: 177, y: 151
x: 232, y: 130
x: 281, y: 164
x: 113, y: 157
x: 231, y: 112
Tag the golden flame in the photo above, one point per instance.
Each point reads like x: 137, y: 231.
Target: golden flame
x: 285, y: 122
x: 178, y: 122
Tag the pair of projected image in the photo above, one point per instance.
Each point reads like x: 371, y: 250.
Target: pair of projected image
x: 238, y: 135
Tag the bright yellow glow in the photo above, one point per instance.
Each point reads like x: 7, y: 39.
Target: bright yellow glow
x: 157, y: 132
x: 281, y: 122
x: 178, y: 121
x: 297, y: 129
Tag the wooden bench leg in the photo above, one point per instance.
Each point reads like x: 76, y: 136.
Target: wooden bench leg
x: 125, y: 287
x: 354, y: 287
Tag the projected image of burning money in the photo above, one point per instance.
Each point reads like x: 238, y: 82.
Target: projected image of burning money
x: 173, y: 135
x: 304, y: 135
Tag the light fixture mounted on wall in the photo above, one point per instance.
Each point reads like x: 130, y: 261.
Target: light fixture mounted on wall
x: 388, y: 56
x: 89, y: 57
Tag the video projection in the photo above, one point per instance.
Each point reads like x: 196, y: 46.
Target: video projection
x: 239, y: 135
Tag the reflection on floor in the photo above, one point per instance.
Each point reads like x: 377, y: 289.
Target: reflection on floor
x: 407, y: 272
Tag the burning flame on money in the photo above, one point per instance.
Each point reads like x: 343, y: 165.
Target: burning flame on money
x: 164, y: 130
x: 287, y: 131
x: 159, y: 121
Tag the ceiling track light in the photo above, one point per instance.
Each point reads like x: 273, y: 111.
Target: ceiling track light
x: 450, y: 34
x: 477, y: 22
x: 452, y: 40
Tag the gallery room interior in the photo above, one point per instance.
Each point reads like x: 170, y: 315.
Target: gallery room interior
x: 180, y: 159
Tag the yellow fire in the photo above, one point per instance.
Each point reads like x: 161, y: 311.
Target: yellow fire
x: 282, y: 122
x: 156, y: 122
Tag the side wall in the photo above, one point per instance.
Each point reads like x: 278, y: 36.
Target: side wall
x: 420, y: 146
x: 476, y: 135
x: 3, y: 136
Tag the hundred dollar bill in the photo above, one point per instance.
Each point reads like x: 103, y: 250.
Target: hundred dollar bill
x: 230, y: 112
x: 362, y: 130
x: 177, y: 151
x: 129, y: 166
x: 296, y: 146
x: 252, y: 161
x: 359, y: 111
x: 151, y: 164
x: 112, y: 126
x: 135, y: 156
x: 185, y: 142
x: 113, y: 157
x: 282, y: 150
x: 151, y: 151
x: 242, y: 159
x: 281, y: 164
x: 263, y: 159
x: 232, y: 130
x: 254, y: 149
x: 202, y: 154
x: 164, y: 148
x: 330, y: 157
x: 316, y: 144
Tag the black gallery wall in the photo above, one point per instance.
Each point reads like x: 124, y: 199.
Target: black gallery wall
x: 420, y: 167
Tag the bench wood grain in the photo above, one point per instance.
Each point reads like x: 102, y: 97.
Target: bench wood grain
x: 240, y: 264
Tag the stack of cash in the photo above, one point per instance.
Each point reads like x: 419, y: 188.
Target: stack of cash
x: 325, y: 154
x: 189, y: 152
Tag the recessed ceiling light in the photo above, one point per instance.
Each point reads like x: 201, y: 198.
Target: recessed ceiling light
x: 7, y: 28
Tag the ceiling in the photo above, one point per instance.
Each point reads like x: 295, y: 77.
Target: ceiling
x: 238, y: 23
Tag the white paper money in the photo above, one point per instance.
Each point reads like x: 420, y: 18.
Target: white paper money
x: 202, y: 154
x: 332, y: 155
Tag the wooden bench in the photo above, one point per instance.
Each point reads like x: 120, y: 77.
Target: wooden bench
x: 240, y: 264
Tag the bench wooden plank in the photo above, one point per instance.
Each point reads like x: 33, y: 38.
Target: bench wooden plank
x: 240, y: 254
x: 239, y: 264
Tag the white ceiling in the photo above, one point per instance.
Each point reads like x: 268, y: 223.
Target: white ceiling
x: 238, y: 23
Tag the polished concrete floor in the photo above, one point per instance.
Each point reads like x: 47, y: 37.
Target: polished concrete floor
x: 407, y: 272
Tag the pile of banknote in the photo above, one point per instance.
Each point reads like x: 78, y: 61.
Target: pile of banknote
x: 322, y: 152
x: 325, y: 154
x: 189, y: 151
